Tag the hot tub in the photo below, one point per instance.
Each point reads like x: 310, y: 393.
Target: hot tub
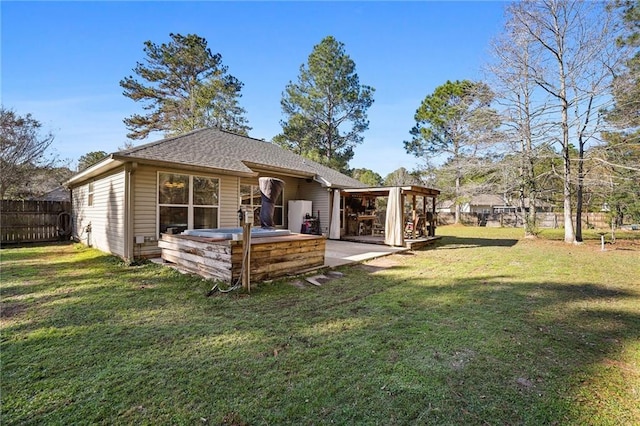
x: 227, y: 233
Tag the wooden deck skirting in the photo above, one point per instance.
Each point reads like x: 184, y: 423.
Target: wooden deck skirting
x: 411, y: 244
x: 271, y: 257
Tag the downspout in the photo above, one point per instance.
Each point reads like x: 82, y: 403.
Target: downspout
x: 73, y: 216
x: 128, y: 211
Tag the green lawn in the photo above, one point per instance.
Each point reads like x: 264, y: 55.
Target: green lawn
x: 483, y: 328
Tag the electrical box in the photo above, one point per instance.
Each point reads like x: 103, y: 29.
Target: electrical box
x: 139, y: 239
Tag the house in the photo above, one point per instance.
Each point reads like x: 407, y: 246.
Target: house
x: 200, y: 179
x: 58, y: 194
x: 478, y: 204
x: 491, y: 204
x: 484, y: 203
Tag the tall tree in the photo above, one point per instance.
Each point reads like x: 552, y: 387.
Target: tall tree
x: 367, y: 176
x: 326, y: 109
x: 619, y: 158
x: 625, y: 114
x: 89, y: 159
x: 184, y: 86
x: 574, y: 42
x: 524, y: 110
x: 401, y: 177
x: 23, y: 149
x: 457, y: 122
x: 617, y: 173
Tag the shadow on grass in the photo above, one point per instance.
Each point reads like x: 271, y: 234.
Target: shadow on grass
x: 448, y: 242
x: 146, y: 346
x: 24, y: 251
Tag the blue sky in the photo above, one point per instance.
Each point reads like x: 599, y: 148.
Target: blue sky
x: 63, y: 61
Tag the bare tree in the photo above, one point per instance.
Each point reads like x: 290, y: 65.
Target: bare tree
x: 22, y: 150
x: 525, y: 110
x: 574, y: 42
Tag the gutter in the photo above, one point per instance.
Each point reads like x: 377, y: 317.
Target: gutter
x: 322, y: 181
x: 106, y: 164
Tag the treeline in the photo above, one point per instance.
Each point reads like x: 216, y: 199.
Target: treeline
x: 555, y: 120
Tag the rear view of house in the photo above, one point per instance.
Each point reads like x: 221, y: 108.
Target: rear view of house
x: 122, y: 204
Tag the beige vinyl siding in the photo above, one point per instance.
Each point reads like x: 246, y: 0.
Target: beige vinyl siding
x: 106, y: 215
x: 290, y: 188
x: 229, y: 201
x: 79, y: 205
x: 319, y: 196
x: 144, y: 210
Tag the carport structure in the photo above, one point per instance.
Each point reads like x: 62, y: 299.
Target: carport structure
x: 415, y: 220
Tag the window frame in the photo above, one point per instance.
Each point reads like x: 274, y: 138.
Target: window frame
x: 90, y: 194
x: 256, y: 187
x: 189, y: 205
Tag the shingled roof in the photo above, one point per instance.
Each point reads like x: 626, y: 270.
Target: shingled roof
x: 222, y: 150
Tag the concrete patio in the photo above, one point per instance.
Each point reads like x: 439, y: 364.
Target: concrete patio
x: 339, y: 253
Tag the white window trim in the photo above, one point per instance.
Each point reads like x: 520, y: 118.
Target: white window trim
x: 91, y: 190
x: 253, y: 207
x: 190, y: 206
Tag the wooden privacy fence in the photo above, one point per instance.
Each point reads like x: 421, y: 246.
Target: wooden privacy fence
x: 509, y: 220
x: 27, y: 221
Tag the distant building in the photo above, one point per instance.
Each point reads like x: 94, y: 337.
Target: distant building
x: 491, y: 204
x: 59, y: 194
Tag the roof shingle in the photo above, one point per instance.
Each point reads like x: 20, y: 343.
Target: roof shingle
x: 219, y: 149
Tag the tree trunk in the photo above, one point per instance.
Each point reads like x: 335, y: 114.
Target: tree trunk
x: 579, y: 191
x: 569, y: 235
x: 457, y: 198
x: 580, y: 188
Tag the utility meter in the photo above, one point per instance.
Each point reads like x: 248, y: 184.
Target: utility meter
x: 245, y: 215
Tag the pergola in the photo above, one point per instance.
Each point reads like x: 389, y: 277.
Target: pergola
x: 411, y: 191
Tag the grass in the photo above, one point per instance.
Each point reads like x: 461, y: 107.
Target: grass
x: 483, y: 328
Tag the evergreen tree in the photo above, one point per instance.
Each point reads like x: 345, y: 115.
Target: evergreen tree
x: 402, y: 177
x: 326, y: 109
x: 456, y: 122
x: 367, y: 176
x: 89, y: 159
x: 185, y: 87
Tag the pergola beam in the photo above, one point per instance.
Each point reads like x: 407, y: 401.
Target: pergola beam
x: 383, y: 191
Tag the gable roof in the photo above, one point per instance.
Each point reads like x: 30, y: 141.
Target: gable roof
x: 221, y: 150
x: 58, y: 194
x: 487, y: 200
x: 476, y: 200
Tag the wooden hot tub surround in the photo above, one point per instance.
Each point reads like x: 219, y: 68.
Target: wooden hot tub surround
x: 271, y: 257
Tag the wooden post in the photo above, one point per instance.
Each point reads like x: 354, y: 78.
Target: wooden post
x: 424, y: 214
x: 433, y: 217
x: 246, y: 255
x: 414, y: 217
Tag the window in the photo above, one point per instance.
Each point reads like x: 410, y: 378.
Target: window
x: 187, y: 202
x: 90, y: 195
x: 250, y: 196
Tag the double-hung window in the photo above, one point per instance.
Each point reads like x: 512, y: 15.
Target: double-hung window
x: 187, y: 202
x: 250, y: 197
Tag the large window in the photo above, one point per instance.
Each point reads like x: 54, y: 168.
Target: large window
x: 187, y: 202
x: 250, y: 196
